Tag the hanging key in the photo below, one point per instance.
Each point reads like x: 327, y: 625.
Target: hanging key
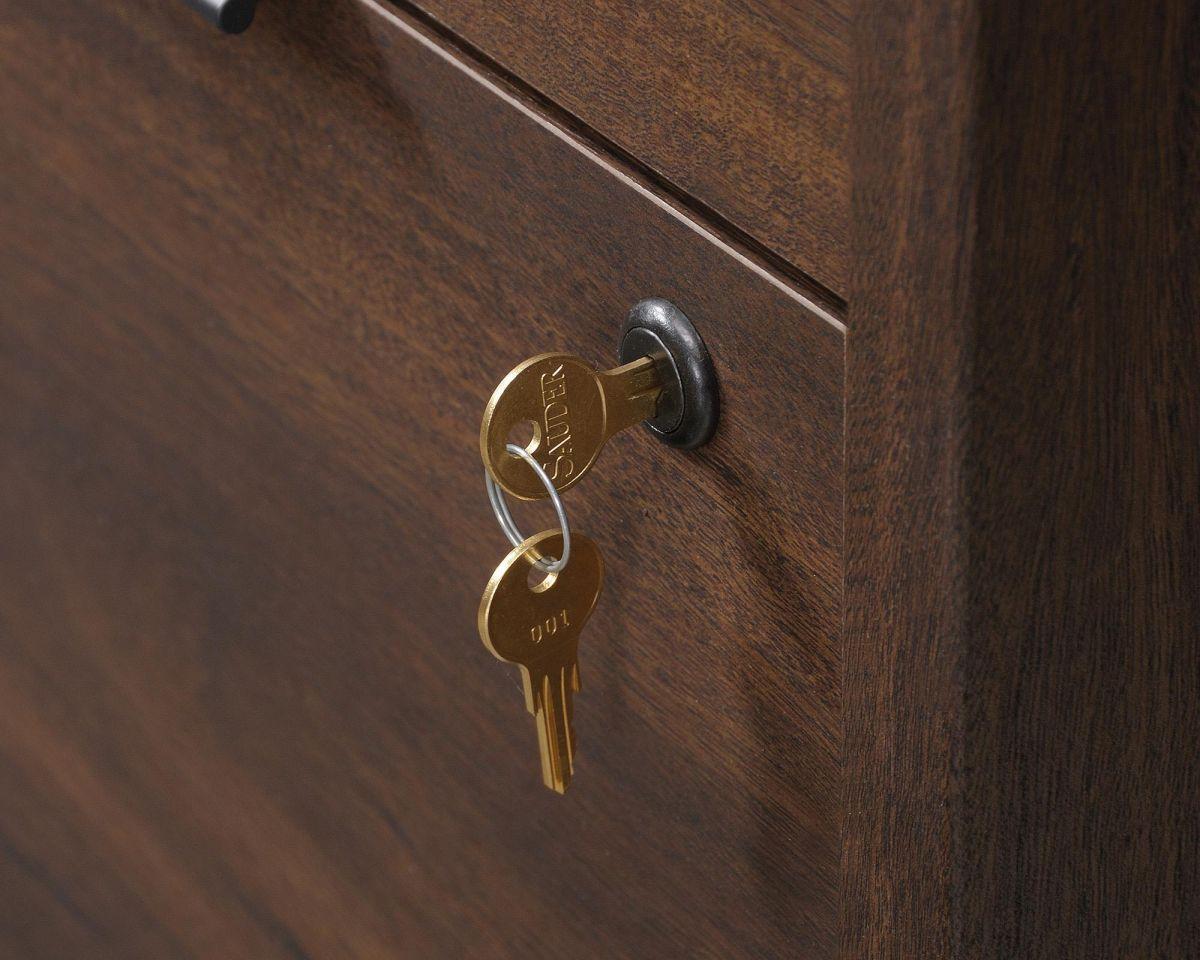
x: 573, y: 410
x: 538, y: 629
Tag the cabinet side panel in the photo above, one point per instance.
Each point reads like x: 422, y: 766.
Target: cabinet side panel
x: 1023, y: 533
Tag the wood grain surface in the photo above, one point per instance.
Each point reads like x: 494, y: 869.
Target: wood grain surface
x: 254, y: 294
x: 1022, y: 684
x: 740, y: 105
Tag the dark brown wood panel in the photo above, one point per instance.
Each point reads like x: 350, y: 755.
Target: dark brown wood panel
x: 1022, y: 681
x: 740, y: 104
x: 254, y: 295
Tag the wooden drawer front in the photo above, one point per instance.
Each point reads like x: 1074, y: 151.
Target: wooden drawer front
x: 741, y: 103
x: 255, y: 294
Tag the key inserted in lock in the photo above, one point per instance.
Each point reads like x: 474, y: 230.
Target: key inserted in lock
x: 666, y: 380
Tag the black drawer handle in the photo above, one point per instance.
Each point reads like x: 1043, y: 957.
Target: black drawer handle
x: 230, y: 16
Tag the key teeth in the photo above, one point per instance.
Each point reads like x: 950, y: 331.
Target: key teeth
x: 531, y: 699
x: 556, y: 776
x: 555, y: 733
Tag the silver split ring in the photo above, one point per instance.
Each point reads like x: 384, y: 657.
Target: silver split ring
x: 504, y: 517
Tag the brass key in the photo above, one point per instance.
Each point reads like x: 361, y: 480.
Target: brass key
x: 574, y: 410
x: 538, y: 629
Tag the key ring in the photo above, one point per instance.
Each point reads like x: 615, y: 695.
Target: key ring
x: 504, y: 517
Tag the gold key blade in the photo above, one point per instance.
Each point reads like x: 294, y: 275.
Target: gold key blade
x: 538, y: 629
x: 574, y: 411
x: 554, y: 711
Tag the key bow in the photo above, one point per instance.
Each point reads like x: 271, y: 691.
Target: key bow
x: 574, y: 410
